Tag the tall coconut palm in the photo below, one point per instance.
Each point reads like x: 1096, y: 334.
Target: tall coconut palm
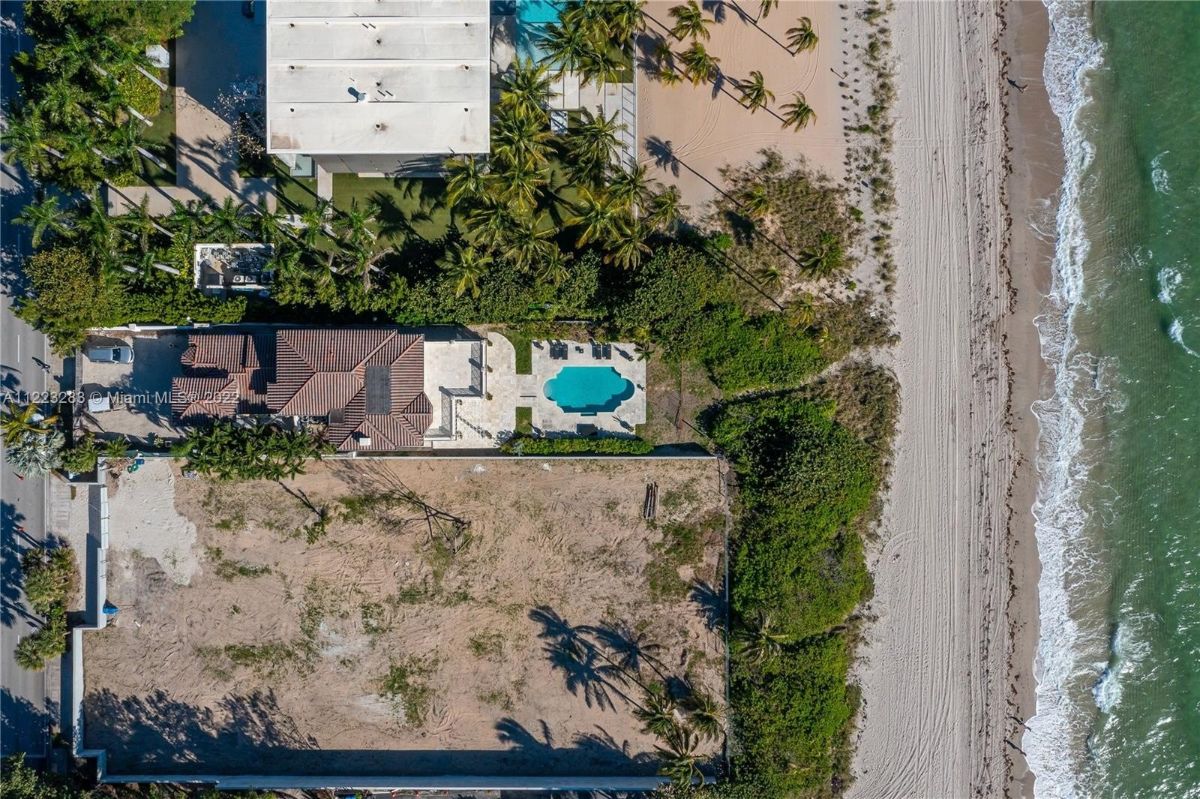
x: 798, y: 113
x: 592, y: 144
x: 465, y: 265
x: 665, y: 208
x: 567, y: 47
x: 521, y: 183
x: 95, y: 229
x: 755, y: 201
x: 765, y: 7
x: 690, y: 22
x: 466, y: 179
x: 620, y: 19
x: 184, y: 219
x: 553, y: 268
x: 704, y: 713
x: 759, y: 639
x: 354, y: 225
x: 597, y: 215
x: 627, y: 245
x: 44, y: 217
x: 520, y: 139
x: 24, y: 142
x: 527, y: 242
x: 755, y: 94
x: 488, y: 223
x: 668, y: 75
x: 630, y: 188
x: 315, y: 223
x: 603, y: 64
x: 225, y: 222
x: 678, y: 757
x: 526, y: 88
x: 658, y: 712
x: 269, y: 226
x: 699, y: 65
x: 802, y: 37
x: 28, y: 420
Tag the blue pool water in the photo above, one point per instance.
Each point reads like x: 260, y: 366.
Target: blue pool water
x: 532, y: 18
x: 588, y: 389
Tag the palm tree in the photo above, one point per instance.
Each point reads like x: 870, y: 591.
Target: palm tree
x: 527, y: 88
x: 770, y: 276
x: 316, y: 223
x: 18, y: 421
x: 31, y: 454
x: 526, y: 242
x: 553, y: 267
x: 630, y: 187
x: 704, y: 713
x: 678, y: 757
x: 520, y: 184
x: 465, y: 265
x: 665, y: 208
x: 627, y: 245
x: 755, y: 201
x: 765, y: 7
x: 225, y: 222
x: 698, y: 64
x: 603, y: 64
x: 758, y: 639
x: 466, y: 179
x: 801, y: 311
x: 593, y: 143
x: 668, y: 75
x: 798, y: 113
x: 802, y: 37
x: 597, y: 214
x: 520, y: 139
x: 24, y: 142
x: 755, y: 94
x: 620, y: 19
x: 690, y: 22
x: 658, y: 711
x: 42, y: 217
x: 567, y: 47
x: 184, y: 219
x: 353, y: 225
x: 269, y: 226
x: 823, y: 257
x: 95, y: 229
x: 489, y: 223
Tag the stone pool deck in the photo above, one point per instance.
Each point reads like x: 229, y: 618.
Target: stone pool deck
x: 485, y: 421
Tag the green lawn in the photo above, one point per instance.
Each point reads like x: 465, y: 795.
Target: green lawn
x: 524, y: 420
x: 523, y: 344
x: 160, y: 139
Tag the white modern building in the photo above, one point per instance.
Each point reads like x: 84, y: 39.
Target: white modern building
x: 370, y: 86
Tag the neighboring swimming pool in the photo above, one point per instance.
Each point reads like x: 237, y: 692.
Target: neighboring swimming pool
x: 532, y: 18
x: 588, y: 389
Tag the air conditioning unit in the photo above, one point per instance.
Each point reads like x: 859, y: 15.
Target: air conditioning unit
x: 239, y: 279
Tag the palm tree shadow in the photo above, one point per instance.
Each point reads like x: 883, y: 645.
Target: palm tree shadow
x: 711, y: 604
x: 663, y: 153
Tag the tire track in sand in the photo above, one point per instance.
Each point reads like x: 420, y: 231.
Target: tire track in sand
x: 933, y: 669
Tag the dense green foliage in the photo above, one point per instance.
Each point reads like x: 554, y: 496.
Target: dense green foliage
x: 234, y: 452
x: 806, y: 486
x: 81, y: 458
x: 19, y: 780
x: 82, y: 87
x: 50, y: 577
x: 528, y: 445
x: 50, y: 580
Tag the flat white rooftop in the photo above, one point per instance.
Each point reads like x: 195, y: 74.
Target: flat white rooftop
x: 378, y: 77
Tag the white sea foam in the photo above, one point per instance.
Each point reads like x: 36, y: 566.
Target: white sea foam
x: 1169, y: 279
x: 1158, y: 174
x: 1176, y: 334
x: 1052, y: 742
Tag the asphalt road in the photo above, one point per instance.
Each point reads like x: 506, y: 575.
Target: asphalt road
x: 24, y: 713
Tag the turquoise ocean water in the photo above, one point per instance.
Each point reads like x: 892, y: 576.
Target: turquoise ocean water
x: 1118, y: 508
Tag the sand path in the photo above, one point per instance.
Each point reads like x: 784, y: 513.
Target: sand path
x: 934, y: 672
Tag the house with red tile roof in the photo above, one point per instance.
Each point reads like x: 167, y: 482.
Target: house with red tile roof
x: 367, y: 385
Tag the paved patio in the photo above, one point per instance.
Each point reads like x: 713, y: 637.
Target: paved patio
x: 470, y: 420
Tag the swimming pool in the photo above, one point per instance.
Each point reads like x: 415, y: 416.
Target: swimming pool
x: 532, y: 18
x: 588, y: 390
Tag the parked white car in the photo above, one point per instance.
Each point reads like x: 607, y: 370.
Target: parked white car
x: 119, y: 353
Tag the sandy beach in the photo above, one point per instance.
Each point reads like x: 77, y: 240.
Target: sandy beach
x: 688, y: 133
x: 934, y: 670
x: 1033, y: 187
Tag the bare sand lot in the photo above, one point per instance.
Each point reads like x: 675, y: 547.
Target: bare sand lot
x: 687, y: 133
x: 447, y: 617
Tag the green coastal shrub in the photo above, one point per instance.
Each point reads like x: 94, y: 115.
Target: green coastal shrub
x: 529, y: 445
x: 806, y: 482
x: 49, y: 642
x: 50, y: 578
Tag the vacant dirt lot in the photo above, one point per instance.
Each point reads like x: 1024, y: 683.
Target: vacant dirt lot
x: 502, y: 627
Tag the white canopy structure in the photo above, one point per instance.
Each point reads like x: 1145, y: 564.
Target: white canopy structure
x: 363, y: 85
